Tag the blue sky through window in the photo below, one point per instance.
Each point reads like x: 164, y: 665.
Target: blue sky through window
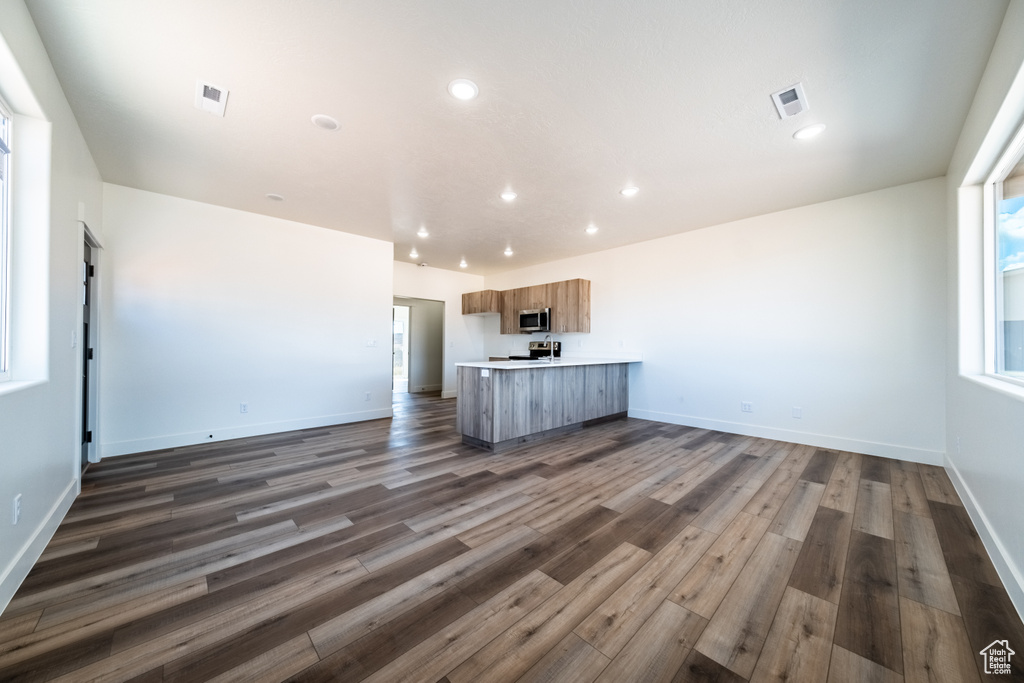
x: 1010, y: 234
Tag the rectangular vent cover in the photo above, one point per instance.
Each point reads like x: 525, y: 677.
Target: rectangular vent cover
x: 211, y: 98
x: 791, y: 101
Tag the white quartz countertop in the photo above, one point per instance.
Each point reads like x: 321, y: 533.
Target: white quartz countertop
x: 522, y: 364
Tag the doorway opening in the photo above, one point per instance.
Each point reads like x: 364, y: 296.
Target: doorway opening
x: 88, y: 334
x: 418, y: 356
x: 400, y: 317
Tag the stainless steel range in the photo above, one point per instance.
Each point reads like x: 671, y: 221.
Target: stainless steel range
x: 540, y: 350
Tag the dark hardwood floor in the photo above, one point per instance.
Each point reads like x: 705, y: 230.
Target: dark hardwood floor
x: 630, y: 551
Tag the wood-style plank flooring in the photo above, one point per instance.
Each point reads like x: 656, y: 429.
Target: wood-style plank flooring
x: 388, y: 551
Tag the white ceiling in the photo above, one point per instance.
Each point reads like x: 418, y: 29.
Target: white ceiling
x: 577, y: 99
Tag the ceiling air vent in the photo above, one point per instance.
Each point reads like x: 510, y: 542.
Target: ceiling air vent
x: 211, y: 98
x: 791, y: 101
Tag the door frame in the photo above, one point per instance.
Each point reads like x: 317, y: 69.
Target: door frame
x: 89, y: 419
x: 408, y: 346
x: 411, y: 302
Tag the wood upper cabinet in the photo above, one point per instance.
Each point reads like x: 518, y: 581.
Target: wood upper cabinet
x: 509, y: 311
x: 487, y: 301
x: 521, y: 299
x: 568, y: 300
x: 535, y: 296
x: 570, y: 305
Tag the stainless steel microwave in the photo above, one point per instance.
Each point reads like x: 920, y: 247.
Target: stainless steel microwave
x: 535, y: 320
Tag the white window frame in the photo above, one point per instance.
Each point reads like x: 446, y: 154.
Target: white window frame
x: 5, y: 246
x: 993, y: 291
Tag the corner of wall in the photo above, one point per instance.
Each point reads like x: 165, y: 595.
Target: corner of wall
x: 1009, y: 572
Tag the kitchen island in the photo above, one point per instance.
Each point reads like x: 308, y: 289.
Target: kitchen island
x: 502, y: 404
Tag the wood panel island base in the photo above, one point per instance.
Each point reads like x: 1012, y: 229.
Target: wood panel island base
x: 503, y: 404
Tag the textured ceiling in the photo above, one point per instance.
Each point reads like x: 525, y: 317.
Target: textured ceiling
x: 577, y: 99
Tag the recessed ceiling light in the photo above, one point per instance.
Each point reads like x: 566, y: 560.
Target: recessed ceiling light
x: 326, y: 122
x: 508, y: 195
x: 275, y: 197
x: 629, y: 191
x: 463, y: 264
x: 422, y: 232
x: 809, y: 132
x: 591, y: 229
x: 508, y: 251
x: 463, y: 89
x: 414, y: 253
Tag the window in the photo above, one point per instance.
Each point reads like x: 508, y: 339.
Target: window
x: 1005, y: 197
x: 5, y: 240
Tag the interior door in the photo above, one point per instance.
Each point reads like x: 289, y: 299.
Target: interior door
x: 88, y: 272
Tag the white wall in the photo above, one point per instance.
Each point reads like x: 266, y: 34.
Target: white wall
x: 836, y: 308
x: 463, y: 334
x: 39, y: 416
x: 207, y: 308
x: 426, y: 343
x: 985, y: 428
x: 1013, y: 295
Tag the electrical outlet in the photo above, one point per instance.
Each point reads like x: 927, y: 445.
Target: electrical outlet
x: 243, y: 407
x: 798, y: 412
x: 367, y: 396
x: 372, y: 343
x: 746, y: 406
x: 16, y: 509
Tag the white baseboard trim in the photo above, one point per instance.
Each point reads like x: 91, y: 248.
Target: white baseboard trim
x: 1009, y: 572
x: 885, y: 450
x: 191, y: 438
x: 28, y: 554
x: 449, y: 394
